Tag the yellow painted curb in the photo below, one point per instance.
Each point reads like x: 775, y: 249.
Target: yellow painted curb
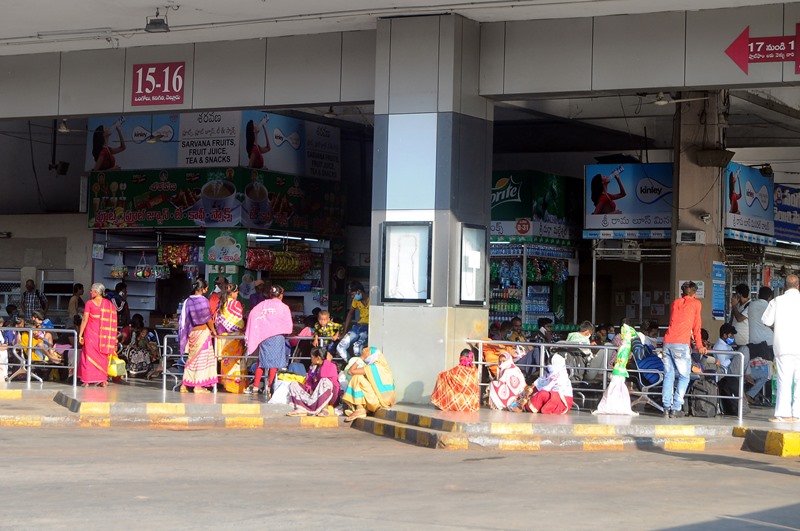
x: 693, y: 444
x: 95, y: 408
x: 319, y: 422
x: 377, y: 428
x: 400, y: 433
x: 169, y: 422
x: 508, y: 428
x: 154, y: 408
x: 95, y: 422
x: 22, y: 421
x: 520, y: 446
x: 423, y: 439
x: 783, y: 444
x: 241, y: 409
x: 425, y: 422
x: 593, y: 430
x: 675, y: 431
x: 455, y: 443
x: 739, y: 431
x: 402, y: 417
x: 244, y: 422
x: 10, y: 394
x: 592, y: 445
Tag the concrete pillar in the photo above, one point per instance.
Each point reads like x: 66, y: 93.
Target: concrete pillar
x: 432, y: 163
x: 698, y: 191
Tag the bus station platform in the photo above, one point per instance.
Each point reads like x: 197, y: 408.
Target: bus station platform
x: 144, y: 404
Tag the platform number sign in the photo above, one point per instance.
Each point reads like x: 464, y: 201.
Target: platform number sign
x: 158, y: 84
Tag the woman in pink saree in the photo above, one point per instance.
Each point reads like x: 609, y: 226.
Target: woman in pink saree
x: 195, y: 335
x: 98, y: 336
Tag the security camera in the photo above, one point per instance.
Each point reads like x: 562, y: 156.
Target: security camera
x: 705, y: 218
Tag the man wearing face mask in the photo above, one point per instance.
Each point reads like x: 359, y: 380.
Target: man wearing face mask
x: 726, y: 341
x: 358, y: 334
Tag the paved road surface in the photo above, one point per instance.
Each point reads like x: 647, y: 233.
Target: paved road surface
x: 343, y: 479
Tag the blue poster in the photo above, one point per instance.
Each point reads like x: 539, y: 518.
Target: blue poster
x: 718, y: 290
x: 749, y: 200
x: 280, y: 139
x: 628, y: 197
x: 787, y: 213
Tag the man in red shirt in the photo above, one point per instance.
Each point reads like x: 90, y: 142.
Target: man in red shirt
x: 684, y: 325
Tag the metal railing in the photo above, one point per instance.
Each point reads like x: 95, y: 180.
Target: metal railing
x: 576, y: 371
x: 24, y: 353
x: 180, y: 359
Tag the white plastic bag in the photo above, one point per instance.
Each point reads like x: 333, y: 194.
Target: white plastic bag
x: 280, y: 392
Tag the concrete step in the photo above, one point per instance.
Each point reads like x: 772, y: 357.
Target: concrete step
x: 580, y: 439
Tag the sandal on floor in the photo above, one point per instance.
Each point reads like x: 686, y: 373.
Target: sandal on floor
x: 358, y: 414
x: 297, y: 413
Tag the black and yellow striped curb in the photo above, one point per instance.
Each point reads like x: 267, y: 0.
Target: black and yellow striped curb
x: 773, y: 442
x: 166, y: 422
x: 657, y: 431
x: 585, y: 438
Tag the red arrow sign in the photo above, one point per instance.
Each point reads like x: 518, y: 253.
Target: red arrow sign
x: 745, y: 50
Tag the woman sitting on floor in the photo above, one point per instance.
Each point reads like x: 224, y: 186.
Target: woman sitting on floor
x: 371, y: 387
x: 458, y: 389
x: 510, y: 382
x: 551, y: 394
x: 320, y: 390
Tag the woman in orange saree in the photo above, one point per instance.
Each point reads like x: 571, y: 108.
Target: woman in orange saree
x: 98, y: 337
x: 230, y: 321
x: 458, y: 389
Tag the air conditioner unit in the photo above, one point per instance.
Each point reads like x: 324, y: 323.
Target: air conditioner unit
x: 691, y: 236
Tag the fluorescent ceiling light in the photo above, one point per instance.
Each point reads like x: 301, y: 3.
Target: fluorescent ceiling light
x: 66, y: 33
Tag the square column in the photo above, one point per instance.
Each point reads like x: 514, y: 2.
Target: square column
x: 432, y: 163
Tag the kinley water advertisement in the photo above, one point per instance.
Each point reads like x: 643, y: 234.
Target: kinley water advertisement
x: 749, y: 200
x: 251, y: 139
x: 627, y: 197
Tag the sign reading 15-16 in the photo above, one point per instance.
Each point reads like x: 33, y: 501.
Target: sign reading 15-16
x: 158, y: 84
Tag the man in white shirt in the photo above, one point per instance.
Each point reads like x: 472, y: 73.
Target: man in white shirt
x: 782, y: 315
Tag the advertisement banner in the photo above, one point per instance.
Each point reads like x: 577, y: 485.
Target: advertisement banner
x: 718, y: 295
x: 272, y: 142
x: 533, y: 206
x: 209, y: 139
x: 787, y: 213
x: 251, y: 139
x: 627, y: 197
x: 749, y: 205
x: 226, y: 246
x: 215, y: 198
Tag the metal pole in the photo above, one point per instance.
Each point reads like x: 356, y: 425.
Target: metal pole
x: 75, y: 358
x: 641, y: 291
x: 575, y: 300
x: 594, y: 283
x: 30, y: 363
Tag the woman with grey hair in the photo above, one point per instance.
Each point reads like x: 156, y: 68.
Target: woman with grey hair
x: 98, y: 337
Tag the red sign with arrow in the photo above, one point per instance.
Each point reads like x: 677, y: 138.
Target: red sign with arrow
x: 745, y: 50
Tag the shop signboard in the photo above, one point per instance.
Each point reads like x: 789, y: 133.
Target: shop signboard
x: 226, y: 246
x: 749, y: 204
x: 532, y: 206
x: 220, y: 138
x: 215, y: 198
x: 787, y: 213
x: 208, y: 139
x: 627, y: 199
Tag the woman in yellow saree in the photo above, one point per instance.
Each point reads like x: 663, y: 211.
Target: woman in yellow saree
x: 230, y: 321
x: 371, y: 387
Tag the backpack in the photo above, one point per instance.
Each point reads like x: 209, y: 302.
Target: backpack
x: 700, y: 405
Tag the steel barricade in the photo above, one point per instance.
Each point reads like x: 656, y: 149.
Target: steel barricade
x: 544, y: 354
x: 26, y: 361
x: 168, y: 352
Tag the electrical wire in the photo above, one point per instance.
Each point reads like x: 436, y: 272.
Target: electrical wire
x: 39, y: 197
